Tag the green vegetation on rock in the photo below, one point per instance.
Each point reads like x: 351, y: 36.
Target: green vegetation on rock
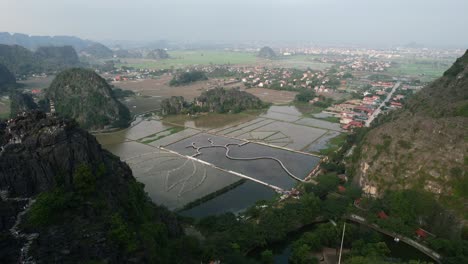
x: 187, y: 78
x: 21, y: 102
x: 85, y: 96
x: 7, y: 79
x: 217, y: 100
x: 421, y: 147
x: 22, y: 61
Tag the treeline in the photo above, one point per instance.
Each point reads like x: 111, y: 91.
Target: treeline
x: 218, y: 100
x: 187, y: 77
x: 305, y: 95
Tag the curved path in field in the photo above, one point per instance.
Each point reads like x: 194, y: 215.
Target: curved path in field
x: 226, y: 147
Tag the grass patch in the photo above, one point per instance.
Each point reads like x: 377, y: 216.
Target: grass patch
x: 4, y: 115
x: 4, y: 108
x: 334, y: 144
x: 332, y: 119
x: 425, y: 68
x: 213, y: 120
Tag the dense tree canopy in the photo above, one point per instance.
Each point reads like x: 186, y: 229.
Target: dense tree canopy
x: 305, y: 95
x: 187, y: 77
x: 7, y: 79
x: 267, y: 53
x: 218, y: 100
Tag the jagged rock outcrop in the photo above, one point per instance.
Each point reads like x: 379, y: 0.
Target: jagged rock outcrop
x: 423, y: 146
x: 267, y: 53
x: 85, y: 203
x: 83, y: 95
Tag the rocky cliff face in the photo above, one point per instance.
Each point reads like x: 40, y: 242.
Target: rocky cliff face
x: 65, y: 199
x: 83, y: 95
x: 423, y: 146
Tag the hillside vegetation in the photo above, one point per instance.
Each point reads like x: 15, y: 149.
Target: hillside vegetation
x: 88, y: 206
x: 7, y: 79
x: 423, y: 146
x: 185, y: 78
x: 157, y: 54
x: 85, y: 96
x: 98, y: 51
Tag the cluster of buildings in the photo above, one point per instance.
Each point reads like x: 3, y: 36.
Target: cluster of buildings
x: 131, y: 74
x: 290, y: 79
x: 354, y: 113
x: 364, y: 64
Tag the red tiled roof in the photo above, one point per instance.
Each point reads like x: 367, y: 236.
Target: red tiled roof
x: 421, y: 233
x: 382, y: 215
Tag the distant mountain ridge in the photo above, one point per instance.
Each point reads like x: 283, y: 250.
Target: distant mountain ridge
x: 34, y: 42
x: 22, y: 61
x: 97, y: 50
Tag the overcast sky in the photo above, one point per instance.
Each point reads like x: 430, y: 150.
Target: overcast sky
x: 371, y: 22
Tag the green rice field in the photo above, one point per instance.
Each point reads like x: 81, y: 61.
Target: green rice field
x: 180, y: 59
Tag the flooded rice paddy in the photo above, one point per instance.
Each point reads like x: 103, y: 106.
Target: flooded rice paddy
x: 281, y: 136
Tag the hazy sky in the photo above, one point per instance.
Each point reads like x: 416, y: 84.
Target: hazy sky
x: 431, y: 22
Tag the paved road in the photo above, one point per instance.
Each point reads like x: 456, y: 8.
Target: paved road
x: 377, y: 111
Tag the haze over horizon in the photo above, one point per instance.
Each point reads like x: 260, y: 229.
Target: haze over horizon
x: 357, y: 22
